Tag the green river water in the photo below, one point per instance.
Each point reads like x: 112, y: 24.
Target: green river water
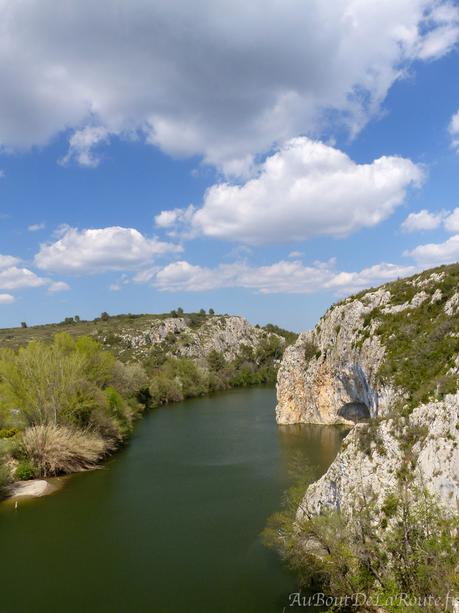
x: 171, y: 524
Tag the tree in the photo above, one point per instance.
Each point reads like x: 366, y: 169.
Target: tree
x: 23, y: 324
x: 104, y: 316
x: 180, y: 311
x: 216, y: 360
x: 77, y: 319
x: 202, y: 312
x: 211, y: 312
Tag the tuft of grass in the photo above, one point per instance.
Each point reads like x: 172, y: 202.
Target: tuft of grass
x: 53, y: 449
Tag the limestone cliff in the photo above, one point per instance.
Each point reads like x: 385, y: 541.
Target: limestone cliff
x: 354, y: 354
x: 395, y: 352
x: 373, y: 468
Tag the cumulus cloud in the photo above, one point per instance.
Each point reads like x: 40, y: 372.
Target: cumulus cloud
x: 454, y: 131
x: 209, y: 77
x: 451, y: 221
x: 175, y: 220
x: 303, y: 190
x: 281, y: 277
x: 423, y: 220
x: 427, y: 220
x: 100, y: 250
x: 433, y: 254
x: 13, y: 277
x: 6, y: 298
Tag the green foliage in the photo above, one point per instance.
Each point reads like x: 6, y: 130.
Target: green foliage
x: 4, y: 474
x: 422, y: 342
x: 290, y: 337
x: 369, y: 438
x: 62, y: 392
x: 177, y: 379
x: 310, y: 351
x: 414, y: 553
x: 216, y: 361
x: 8, y: 432
x: 25, y: 471
x: 49, y: 382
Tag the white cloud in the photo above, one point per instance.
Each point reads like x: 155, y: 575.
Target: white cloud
x: 209, y: 77
x: 174, y: 219
x: 281, y: 277
x: 8, y: 260
x: 36, y: 227
x: 454, y: 131
x: 6, y: 298
x: 58, y: 286
x: 295, y: 254
x: 100, y: 250
x: 434, y: 254
x: 303, y: 190
x: 451, y: 222
x: 426, y: 220
x: 423, y: 220
x: 82, y: 144
x: 17, y: 278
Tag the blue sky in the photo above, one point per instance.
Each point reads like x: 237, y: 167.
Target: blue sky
x: 265, y: 164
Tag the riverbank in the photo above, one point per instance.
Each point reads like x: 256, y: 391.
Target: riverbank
x: 34, y: 488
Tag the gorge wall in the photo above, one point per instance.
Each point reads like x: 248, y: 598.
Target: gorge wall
x: 393, y: 351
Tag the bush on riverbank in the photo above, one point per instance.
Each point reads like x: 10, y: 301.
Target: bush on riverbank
x: 65, y: 403
x: 179, y: 378
x: 412, y: 552
x: 53, y: 450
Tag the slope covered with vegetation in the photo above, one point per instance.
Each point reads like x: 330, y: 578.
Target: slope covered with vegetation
x: 68, y: 399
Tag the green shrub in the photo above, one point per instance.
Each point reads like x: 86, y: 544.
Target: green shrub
x: 416, y: 552
x: 310, y: 351
x: 8, y: 432
x: 25, y: 471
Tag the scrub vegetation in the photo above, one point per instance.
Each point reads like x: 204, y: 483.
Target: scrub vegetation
x: 67, y: 400
x: 411, y: 556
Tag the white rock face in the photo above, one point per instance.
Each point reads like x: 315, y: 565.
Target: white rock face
x: 341, y: 371
x: 313, y: 386
x: 353, y: 472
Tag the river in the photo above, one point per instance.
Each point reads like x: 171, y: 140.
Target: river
x: 171, y: 523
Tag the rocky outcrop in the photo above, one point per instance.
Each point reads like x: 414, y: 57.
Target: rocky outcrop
x: 331, y: 366
x: 180, y: 337
x: 338, y: 362
x: 374, y: 470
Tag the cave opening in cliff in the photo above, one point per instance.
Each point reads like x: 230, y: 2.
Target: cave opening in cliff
x: 355, y: 411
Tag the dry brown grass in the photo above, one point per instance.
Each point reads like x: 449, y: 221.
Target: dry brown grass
x: 55, y: 450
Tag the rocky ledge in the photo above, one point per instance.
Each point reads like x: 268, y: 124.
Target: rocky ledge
x: 372, y: 467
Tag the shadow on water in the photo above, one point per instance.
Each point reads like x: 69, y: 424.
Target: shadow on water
x: 170, y: 524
